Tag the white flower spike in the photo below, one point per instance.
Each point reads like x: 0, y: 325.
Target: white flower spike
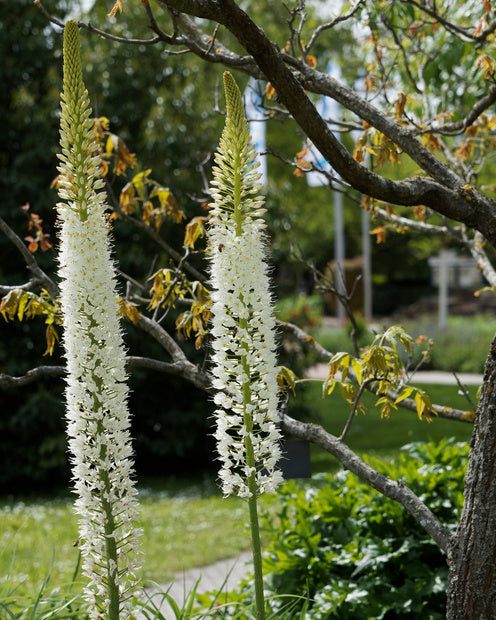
x: 245, y: 370
x: 97, y: 412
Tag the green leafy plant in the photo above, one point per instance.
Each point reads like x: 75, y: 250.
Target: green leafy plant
x: 357, y: 554
x: 306, y: 311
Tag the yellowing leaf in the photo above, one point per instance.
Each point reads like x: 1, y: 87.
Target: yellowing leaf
x: 109, y: 145
x: 117, y: 7
x: 194, y: 230
x: 286, y: 377
x: 270, y: 91
x: 51, y: 338
x: 405, y: 393
x: 311, y: 61
x: 380, y: 233
x: 358, y: 369
x: 129, y: 311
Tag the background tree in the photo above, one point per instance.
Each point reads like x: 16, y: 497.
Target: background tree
x: 417, y: 54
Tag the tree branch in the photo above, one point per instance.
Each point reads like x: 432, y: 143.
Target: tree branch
x: 396, y: 491
x: 183, y: 369
x: 101, y: 33
x: 32, y: 265
x: 478, y: 108
x: 32, y: 375
x: 444, y: 192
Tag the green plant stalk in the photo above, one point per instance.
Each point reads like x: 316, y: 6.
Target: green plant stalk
x: 252, y: 500
x: 111, y: 551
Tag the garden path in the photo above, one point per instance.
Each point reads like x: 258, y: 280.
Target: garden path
x: 438, y: 377
x: 225, y: 574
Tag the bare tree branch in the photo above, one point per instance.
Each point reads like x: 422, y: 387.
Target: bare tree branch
x: 396, y: 491
x: 184, y: 369
x: 476, y: 247
x: 337, y: 20
x: 32, y: 265
x: 35, y: 374
x: 462, y: 33
x: 478, y: 108
x: 100, y: 33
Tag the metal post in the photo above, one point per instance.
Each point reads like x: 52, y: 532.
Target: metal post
x: 367, y: 266
x: 339, y: 253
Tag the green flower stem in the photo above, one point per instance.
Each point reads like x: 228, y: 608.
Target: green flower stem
x: 252, y: 500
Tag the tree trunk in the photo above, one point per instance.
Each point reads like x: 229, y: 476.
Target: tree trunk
x: 472, y: 577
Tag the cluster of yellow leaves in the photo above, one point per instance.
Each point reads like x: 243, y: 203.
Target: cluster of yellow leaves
x: 482, y: 25
x: 168, y: 288
x: 379, y: 365
x: 488, y: 66
x: 149, y: 200
x: 20, y: 305
x: 479, y: 137
x: 376, y: 144
x: 112, y: 148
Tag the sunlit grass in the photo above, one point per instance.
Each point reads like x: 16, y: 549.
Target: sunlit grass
x: 190, y: 524
x: 181, y: 531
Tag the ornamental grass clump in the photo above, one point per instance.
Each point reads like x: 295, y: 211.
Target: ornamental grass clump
x: 244, y: 361
x: 96, y: 393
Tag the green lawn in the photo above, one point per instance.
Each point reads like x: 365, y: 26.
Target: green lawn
x: 194, y: 525
x: 180, y: 532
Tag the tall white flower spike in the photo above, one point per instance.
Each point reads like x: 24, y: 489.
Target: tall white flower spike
x: 245, y: 370
x: 97, y: 412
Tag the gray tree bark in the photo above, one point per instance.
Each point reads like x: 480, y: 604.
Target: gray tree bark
x: 472, y: 576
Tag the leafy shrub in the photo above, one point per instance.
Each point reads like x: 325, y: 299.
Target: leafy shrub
x: 336, y: 339
x: 303, y: 310
x: 462, y: 346
x: 356, y: 554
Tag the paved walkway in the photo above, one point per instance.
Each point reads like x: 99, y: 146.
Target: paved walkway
x: 225, y: 575
x: 321, y: 371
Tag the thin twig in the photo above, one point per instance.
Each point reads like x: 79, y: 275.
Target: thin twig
x: 353, y: 411
x: 465, y: 392
x: 29, y: 259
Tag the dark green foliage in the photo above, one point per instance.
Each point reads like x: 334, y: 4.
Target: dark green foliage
x: 357, y: 554
x: 303, y: 310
